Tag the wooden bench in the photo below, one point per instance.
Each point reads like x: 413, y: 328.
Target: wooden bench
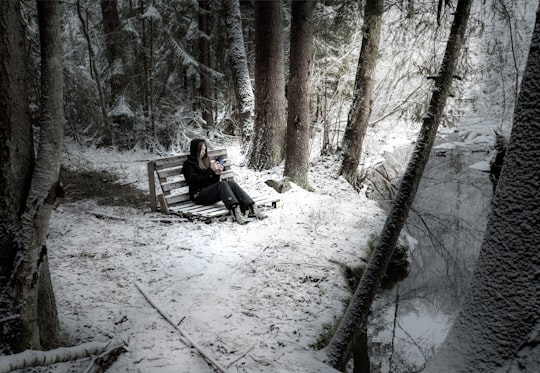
x: 168, y: 187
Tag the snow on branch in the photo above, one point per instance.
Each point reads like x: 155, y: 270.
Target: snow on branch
x: 32, y: 358
x: 187, y: 59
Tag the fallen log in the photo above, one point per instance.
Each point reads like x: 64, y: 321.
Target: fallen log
x: 33, y: 358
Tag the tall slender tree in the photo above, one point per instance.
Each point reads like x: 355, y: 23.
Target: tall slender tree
x: 298, y: 118
x: 268, y: 145
x: 117, y: 68
x: 239, y: 66
x: 338, y: 350
x: 500, y: 311
x: 357, y: 122
x: 204, y: 60
x: 33, y: 291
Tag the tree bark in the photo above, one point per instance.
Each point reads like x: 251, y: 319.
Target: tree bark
x: 267, y: 148
x: 298, y: 115
x: 239, y: 66
x: 16, y: 145
x: 357, y: 121
x: 108, y: 138
x: 116, y: 76
x: 500, y: 308
x: 338, y: 351
x: 32, y: 271
x: 204, y: 59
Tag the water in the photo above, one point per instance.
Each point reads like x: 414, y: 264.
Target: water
x: 448, y: 220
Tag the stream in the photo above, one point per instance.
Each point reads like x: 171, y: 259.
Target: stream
x: 446, y: 226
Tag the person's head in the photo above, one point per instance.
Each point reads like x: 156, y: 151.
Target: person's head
x: 199, y: 151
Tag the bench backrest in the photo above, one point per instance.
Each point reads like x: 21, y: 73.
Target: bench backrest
x: 171, y: 181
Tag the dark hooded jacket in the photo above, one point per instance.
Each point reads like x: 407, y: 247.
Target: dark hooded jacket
x: 196, y: 177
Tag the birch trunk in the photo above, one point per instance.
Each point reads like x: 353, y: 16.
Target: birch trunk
x: 339, y: 349
x: 32, y: 266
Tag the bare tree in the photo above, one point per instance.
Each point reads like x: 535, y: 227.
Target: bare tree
x: 298, y: 118
x: 33, y: 291
x: 500, y: 309
x: 357, y: 122
x: 267, y: 149
x: 355, y: 318
x: 239, y: 66
x: 204, y: 60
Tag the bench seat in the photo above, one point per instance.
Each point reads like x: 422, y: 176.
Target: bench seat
x: 168, y: 187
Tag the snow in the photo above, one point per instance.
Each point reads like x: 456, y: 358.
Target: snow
x: 255, y: 296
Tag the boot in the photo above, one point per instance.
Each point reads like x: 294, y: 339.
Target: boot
x: 255, y: 212
x: 238, y: 216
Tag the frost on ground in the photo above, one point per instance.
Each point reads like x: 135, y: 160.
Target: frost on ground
x: 256, y: 297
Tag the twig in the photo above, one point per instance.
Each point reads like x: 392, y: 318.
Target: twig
x: 185, y: 338
x: 9, y: 318
x: 121, y: 218
x: 240, y: 357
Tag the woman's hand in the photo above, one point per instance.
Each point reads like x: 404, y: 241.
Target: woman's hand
x: 217, y: 167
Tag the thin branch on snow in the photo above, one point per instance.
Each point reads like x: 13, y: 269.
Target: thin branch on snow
x: 115, y: 217
x: 185, y: 338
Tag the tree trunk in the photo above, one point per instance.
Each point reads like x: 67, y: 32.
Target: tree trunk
x: 267, y: 148
x: 357, y: 121
x: 16, y: 145
x: 204, y: 59
x: 16, y: 156
x: 32, y: 272
x: 239, y: 66
x: 338, y: 351
x: 115, y: 47
x: 108, y: 138
x: 500, y: 308
x: 298, y: 115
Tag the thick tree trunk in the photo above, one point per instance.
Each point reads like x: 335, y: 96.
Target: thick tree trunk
x: 357, y: 122
x: 298, y: 116
x: 204, y: 59
x: 267, y: 149
x: 16, y: 155
x: 16, y: 145
x: 338, y: 351
x: 500, y: 309
x: 32, y: 273
x: 239, y: 66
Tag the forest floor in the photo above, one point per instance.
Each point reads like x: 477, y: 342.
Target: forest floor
x: 257, y: 297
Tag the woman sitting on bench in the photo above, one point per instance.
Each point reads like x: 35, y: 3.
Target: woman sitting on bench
x: 206, y: 188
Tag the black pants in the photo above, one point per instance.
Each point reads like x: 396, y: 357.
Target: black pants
x: 230, y: 193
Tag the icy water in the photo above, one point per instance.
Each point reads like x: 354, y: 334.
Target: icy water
x: 448, y: 221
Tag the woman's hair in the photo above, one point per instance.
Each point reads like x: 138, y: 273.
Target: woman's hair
x: 205, y: 161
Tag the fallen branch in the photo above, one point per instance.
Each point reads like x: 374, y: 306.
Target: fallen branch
x: 32, y: 358
x: 185, y: 338
x: 102, y: 362
x: 98, y: 214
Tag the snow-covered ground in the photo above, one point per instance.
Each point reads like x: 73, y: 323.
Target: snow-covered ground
x: 255, y: 297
